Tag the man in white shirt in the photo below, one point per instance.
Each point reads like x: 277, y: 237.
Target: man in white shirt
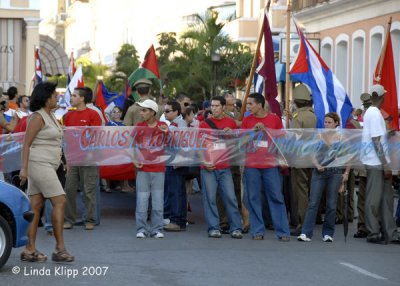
x: 374, y: 155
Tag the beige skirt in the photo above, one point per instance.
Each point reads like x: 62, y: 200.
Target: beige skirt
x: 42, y: 179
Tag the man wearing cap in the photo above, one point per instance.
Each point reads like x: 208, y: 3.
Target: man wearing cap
x: 132, y: 116
x: 303, y: 118
x: 362, y: 231
x: 151, y: 173
x: 379, y: 193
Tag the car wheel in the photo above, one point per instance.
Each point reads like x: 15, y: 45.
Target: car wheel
x: 5, y: 241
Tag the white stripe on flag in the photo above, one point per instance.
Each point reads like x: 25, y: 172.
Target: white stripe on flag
x: 318, y: 74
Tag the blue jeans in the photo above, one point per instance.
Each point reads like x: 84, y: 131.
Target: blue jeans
x: 220, y: 180
x: 175, y: 202
x: 271, y: 180
x: 149, y: 183
x: 328, y: 180
x: 48, y: 209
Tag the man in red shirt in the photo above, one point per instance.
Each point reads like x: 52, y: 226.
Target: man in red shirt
x: 216, y: 174
x: 261, y: 169
x: 151, y: 171
x: 81, y: 116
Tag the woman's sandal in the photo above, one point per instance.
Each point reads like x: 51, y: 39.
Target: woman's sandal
x: 62, y: 256
x: 35, y: 256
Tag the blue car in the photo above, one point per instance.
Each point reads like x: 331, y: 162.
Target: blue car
x: 15, y: 217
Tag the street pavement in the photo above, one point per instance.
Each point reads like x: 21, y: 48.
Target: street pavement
x: 111, y: 255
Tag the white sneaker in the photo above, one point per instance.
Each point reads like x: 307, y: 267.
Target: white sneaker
x: 141, y: 235
x: 158, y: 235
x: 303, y: 237
x: 327, y: 238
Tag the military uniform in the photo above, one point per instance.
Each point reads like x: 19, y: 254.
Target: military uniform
x: 304, y: 117
x: 132, y: 116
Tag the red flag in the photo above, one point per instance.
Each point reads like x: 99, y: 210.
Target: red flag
x: 100, y: 100
x: 267, y: 71
x: 150, y: 62
x: 387, y: 79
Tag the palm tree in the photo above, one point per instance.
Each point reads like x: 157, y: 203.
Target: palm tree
x: 191, y: 68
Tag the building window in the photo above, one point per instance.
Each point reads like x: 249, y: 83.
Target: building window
x: 395, y: 32
x: 326, y: 51
x: 357, y: 67
x: 376, y: 43
x: 342, y: 60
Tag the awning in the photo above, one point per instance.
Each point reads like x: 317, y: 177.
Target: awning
x: 53, y: 57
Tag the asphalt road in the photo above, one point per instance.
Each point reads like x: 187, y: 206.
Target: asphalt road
x: 111, y: 255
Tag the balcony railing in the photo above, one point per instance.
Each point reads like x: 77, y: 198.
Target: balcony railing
x: 298, y: 5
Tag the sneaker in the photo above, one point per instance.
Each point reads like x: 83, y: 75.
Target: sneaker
x: 89, y: 226
x: 68, y: 225
x: 237, y: 234
x: 360, y: 234
x: 158, y: 235
x: 141, y: 235
x: 166, y: 221
x: 258, y: 237
x: 327, y: 238
x: 173, y: 227
x: 303, y: 237
x: 284, y: 238
x: 214, y: 233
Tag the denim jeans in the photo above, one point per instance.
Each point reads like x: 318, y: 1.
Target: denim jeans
x: 48, y: 209
x: 271, y: 180
x: 328, y: 180
x: 149, y: 183
x: 175, y: 201
x: 220, y: 180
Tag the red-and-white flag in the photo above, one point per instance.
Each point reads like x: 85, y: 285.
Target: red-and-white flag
x: 71, y: 68
x: 76, y: 81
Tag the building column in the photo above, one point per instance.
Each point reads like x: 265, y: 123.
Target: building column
x: 32, y: 41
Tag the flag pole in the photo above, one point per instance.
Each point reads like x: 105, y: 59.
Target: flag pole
x: 254, y: 65
x: 383, y: 52
x: 287, y: 83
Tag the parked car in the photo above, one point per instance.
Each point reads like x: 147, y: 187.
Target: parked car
x: 15, y: 217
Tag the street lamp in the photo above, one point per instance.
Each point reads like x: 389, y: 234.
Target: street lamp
x: 215, y: 58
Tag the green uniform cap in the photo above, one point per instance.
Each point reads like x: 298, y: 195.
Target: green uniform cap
x: 302, y: 92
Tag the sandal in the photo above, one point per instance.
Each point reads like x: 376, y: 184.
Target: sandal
x: 62, y: 256
x: 35, y: 256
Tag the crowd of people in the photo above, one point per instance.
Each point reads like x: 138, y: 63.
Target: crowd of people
x: 236, y: 199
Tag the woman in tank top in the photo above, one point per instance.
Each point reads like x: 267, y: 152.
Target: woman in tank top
x: 41, y: 156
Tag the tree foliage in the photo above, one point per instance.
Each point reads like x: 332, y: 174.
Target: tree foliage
x: 186, y: 63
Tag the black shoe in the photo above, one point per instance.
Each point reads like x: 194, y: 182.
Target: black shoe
x: 295, y: 232
x: 376, y: 240
x: 360, y: 234
x: 395, y: 241
x: 338, y: 221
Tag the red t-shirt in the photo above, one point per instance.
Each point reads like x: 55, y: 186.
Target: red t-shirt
x: 22, y: 124
x: 155, y: 153
x: 260, y: 158
x: 217, y: 152
x: 86, y: 117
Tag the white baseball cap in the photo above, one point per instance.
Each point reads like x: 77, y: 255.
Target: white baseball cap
x: 378, y: 89
x: 148, y: 103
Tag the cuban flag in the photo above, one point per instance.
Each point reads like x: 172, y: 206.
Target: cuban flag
x: 38, y: 77
x: 259, y: 79
x: 328, y: 93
